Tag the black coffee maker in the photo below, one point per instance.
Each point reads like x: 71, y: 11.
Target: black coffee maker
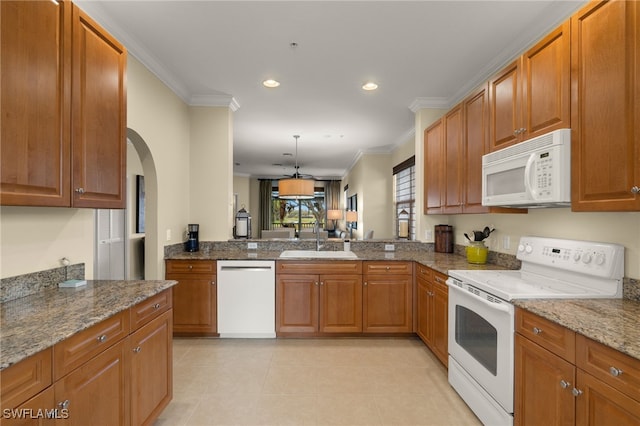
x: 192, y: 244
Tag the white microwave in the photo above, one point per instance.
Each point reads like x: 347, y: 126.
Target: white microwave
x: 530, y: 174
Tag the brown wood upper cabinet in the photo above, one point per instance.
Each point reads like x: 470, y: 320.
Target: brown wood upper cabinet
x: 605, y: 143
x: 63, y: 138
x: 433, y: 168
x: 531, y: 96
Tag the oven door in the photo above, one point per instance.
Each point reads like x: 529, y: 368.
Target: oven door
x: 481, y: 341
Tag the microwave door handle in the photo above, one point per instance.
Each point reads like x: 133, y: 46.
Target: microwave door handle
x: 492, y: 305
x: 528, y: 184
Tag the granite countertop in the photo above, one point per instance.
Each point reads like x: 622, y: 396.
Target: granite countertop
x: 441, y: 262
x: 33, y: 323
x: 612, y: 322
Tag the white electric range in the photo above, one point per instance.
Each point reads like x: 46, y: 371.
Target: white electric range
x: 481, y: 317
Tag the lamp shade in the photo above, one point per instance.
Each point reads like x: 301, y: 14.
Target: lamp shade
x: 352, y: 216
x: 334, y: 214
x: 295, y: 189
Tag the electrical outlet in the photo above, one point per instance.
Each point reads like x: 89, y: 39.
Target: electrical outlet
x: 168, y: 234
x: 428, y: 235
x: 506, y: 242
x: 252, y: 246
x: 389, y: 247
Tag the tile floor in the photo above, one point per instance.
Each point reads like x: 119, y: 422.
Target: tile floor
x: 350, y: 381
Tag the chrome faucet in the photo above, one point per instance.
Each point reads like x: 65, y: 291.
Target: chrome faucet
x: 316, y: 229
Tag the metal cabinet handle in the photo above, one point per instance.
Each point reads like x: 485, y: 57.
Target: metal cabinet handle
x: 64, y: 404
x: 190, y: 267
x: 537, y: 330
x: 365, y: 283
x: 79, y: 190
x: 102, y: 338
x: 387, y: 268
x: 615, y: 372
x: 213, y: 283
x: 137, y: 349
x: 156, y: 306
x: 316, y: 283
x: 576, y: 392
x: 564, y: 384
x: 635, y: 189
x: 321, y: 282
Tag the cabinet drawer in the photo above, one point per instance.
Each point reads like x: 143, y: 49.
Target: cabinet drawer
x: 612, y: 367
x: 338, y: 267
x: 551, y: 336
x: 191, y: 266
x: 371, y: 267
x: 151, y: 308
x: 439, y: 278
x: 25, y: 379
x: 423, y: 272
x: 84, y: 345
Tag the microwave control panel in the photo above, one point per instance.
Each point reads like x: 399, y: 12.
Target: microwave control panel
x: 544, y: 174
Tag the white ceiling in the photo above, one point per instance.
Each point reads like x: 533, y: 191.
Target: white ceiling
x: 421, y: 53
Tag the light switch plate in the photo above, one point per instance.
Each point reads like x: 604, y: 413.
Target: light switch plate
x: 168, y: 234
x: 389, y: 247
x: 252, y: 246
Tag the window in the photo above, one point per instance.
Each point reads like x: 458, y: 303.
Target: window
x: 298, y: 214
x: 404, y: 184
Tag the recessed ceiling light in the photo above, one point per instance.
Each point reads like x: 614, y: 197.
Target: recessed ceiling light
x: 370, y: 86
x: 271, y: 83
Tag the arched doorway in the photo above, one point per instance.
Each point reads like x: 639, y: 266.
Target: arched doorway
x: 152, y: 251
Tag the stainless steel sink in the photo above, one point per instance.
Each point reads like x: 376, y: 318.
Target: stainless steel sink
x: 313, y: 254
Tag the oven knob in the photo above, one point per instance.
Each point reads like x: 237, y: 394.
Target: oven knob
x: 586, y: 258
x: 520, y: 247
x: 528, y: 249
x: 600, y: 259
x: 576, y: 256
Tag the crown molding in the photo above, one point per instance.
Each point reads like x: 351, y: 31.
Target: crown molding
x: 438, y: 103
x: 215, y: 101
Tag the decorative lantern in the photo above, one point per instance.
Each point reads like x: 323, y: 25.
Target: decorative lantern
x: 403, y: 224
x: 242, y: 229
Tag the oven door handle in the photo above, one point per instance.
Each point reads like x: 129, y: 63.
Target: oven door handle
x: 497, y: 306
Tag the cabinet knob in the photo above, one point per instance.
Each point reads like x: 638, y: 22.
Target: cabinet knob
x: 576, y: 392
x: 615, y: 372
x: 213, y: 283
x: 316, y: 283
x: 321, y: 282
x: 102, y: 338
x: 137, y: 349
x: 635, y: 190
x: 564, y: 384
x: 537, y: 330
x: 190, y: 267
x: 365, y: 283
x: 387, y: 268
x: 64, y: 404
x: 156, y: 306
x: 80, y: 190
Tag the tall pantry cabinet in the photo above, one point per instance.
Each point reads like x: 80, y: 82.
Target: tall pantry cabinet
x: 63, y: 108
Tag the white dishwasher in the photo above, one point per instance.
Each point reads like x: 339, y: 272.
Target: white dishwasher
x: 246, y: 298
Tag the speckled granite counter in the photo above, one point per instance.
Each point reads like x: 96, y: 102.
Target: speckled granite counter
x: 33, y: 323
x: 612, y: 322
x: 441, y: 262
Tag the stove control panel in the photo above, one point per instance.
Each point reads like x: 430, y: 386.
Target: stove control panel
x: 604, y: 260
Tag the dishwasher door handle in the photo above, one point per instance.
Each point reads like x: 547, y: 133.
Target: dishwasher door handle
x: 245, y: 268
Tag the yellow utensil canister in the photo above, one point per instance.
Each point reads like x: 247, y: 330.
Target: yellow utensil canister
x: 477, y: 252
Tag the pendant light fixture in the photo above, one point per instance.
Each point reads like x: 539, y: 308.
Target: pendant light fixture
x: 296, y: 188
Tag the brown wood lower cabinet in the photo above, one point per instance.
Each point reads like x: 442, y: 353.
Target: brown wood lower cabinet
x: 432, y: 311
x: 387, y: 297
x: 563, y: 378
x: 326, y: 299
x: 126, y: 381
x: 194, y: 298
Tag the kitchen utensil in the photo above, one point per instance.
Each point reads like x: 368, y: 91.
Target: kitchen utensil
x: 467, y: 237
x: 478, y: 235
x: 486, y: 231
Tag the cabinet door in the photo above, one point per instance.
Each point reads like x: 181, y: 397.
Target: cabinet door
x: 476, y: 144
x: 35, y: 105
x: 297, y: 303
x: 97, y: 393
x: 433, y: 168
x: 387, y: 304
x: 440, y: 342
x: 151, y: 370
x: 98, y: 116
x: 425, y: 309
x: 543, y: 385
x: 453, y: 154
x: 605, y: 109
x: 546, y: 91
x: 45, y: 400
x: 194, y: 304
x: 504, y: 107
x: 340, y: 303
x: 601, y: 404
